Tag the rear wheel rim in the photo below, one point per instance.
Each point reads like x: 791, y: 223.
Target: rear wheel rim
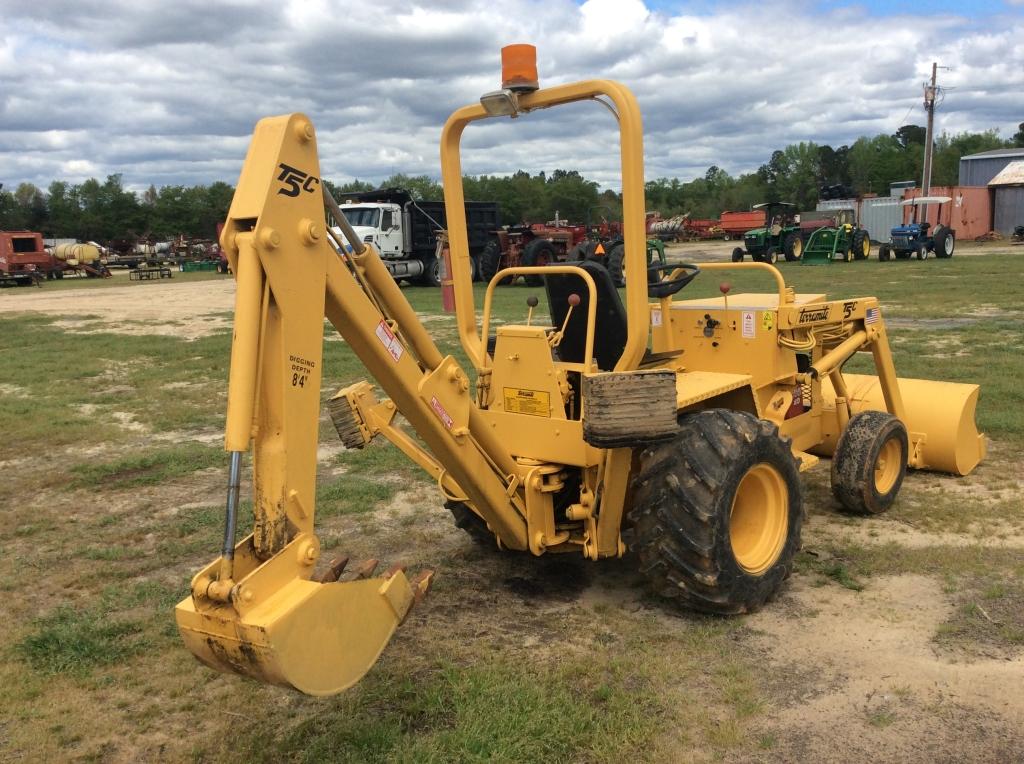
x: 887, y: 465
x: 866, y: 244
x: 759, y: 519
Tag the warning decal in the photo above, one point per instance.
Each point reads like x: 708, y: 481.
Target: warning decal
x: 443, y: 415
x: 748, y: 324
x: 389, y: 340
x: 767, y: 320
x: 532, y: 402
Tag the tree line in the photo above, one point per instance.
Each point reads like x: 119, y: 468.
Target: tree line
x: 800, y: 173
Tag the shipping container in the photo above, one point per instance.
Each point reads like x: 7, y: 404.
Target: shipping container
x: 877, y: 215
x: 969, y: 214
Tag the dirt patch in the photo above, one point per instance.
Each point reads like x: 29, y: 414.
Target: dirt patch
x: 879, y: 682
x: 186, y: 310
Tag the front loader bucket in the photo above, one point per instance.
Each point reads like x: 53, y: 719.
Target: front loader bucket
x: 319, y: 638
x: 939, y: 417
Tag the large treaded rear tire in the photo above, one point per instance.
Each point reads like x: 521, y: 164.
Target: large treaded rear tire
x: 683, y: 527
x: 470, y: 522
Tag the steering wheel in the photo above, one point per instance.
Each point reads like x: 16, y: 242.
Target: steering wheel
x: 659, y: 289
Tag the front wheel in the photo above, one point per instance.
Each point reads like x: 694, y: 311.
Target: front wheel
x: 861, y: 245
x: 870, y: 462
x: 771, y: 255
x: 717, y: 512
x: 737, y: 254
x: 617, y: 265
x: 537, y: 253
x: 490, y: 262
x: 794, y: 247
x: 921, y: 252
x: 884, y: 253
x: 432, y: 271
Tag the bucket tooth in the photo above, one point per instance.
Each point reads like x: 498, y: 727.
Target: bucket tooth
x: 365, y: 570
x: 334, y: 570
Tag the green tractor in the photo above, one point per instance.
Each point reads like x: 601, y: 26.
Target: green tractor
x: 780, y: 234
x: 831, y: 235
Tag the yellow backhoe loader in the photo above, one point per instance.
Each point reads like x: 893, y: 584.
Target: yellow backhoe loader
x: 671, y: 429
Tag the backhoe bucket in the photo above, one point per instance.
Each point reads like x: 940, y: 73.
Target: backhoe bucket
x: 319, y: 638
x: 939, y: 417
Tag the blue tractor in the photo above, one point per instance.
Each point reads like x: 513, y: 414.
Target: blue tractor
x: 915, y: 239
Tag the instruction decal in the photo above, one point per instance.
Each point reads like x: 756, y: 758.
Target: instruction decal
x: 767, y: 320
x: 655, y: 318
x: 748, y: 324
x: 532, y: 402
x: 389, y: 340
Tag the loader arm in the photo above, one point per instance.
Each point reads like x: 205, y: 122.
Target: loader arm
x: 255, y: 609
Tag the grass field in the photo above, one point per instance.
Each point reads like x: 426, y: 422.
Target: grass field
x: 902, y: 633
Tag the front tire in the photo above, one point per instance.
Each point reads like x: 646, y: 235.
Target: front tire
x: 870, y: 462
x: 921, y: 253
x: 771, y: 255
x: 717, y: 512
x: 737, y: 254
x: 861, y: 245
x: 432, y: 272
x: 490, y: 262
x: 538, y: 252
x: 616, y: 265
x: 794, y: 247
x: 884, y: 253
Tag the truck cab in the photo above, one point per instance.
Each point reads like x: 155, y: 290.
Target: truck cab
x: 377, y: 224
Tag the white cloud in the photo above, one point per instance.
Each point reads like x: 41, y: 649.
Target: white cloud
x: 167, y: 93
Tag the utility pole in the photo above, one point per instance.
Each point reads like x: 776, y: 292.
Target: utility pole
x: 930, y: 90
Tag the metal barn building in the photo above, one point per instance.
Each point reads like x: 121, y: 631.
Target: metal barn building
x: 1002, y: 170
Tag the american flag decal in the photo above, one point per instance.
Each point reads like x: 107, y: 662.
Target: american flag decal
x: 872, y: 315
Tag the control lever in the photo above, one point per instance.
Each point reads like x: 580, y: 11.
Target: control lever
x: 556, y: 338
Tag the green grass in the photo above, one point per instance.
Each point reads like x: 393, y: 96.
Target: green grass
x: 151, y: 468
x: 75, y: 639
x: 495, y: 712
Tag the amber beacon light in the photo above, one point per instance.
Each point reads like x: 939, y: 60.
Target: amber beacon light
x: 519, y: 68
x: 518, y: 76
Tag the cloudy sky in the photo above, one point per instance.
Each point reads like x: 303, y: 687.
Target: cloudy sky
x: 167, y: 92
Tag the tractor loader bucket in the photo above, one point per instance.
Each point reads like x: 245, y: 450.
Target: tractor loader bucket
x: 319, y: 638
x: 939, y: 417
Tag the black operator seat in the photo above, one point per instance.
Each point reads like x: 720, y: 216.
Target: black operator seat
x: 610, y: 319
